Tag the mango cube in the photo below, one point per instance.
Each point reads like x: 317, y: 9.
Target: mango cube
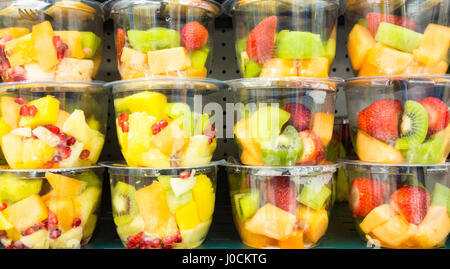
x: 151, y: 102
x: 382, y: 61
x: 43, y: 44
x: 323, y: 126
x: 187, y: 216
x: 14, y: 32
x: 36, y: 153
x: 204, y: 196
x: 20, y: 51
x: 47, y: 112
x: 64, y: 210
x: 377, y: 217
x: 394, y: 232
x: 167, y: 60
x: 26, y: 212
x: 313, y: 222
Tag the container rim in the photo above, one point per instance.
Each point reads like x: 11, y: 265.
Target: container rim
x: 287, y: 83
x: 381, y: 165
x: 77, y: 86
x: 284, y: 170
x: 229, y: 6
x: 112, y: 6
x: 121, y: 85
x: 394, y: 77
x: 53, y: 170
x: 121, y: 166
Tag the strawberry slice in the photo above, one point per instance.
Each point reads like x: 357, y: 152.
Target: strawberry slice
x: 437, y: 114
x: 194, y: 36
x: 381, y: 119
x: 374, y: 20
x: 411, y: 202
x: 281, y: 192
x: 300, y: 115
x: 313, y: 150
x: 121, y: 39
x: 367, y: 194
x: 261, y: 41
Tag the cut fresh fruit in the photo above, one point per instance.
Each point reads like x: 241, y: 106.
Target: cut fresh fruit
x: 370, y: 149
x: 4, y: 223
x: 366, y: 194
x: 313, y: 222
x: 135, y: 59
x: 313, y: 150
x: 168, y: 60
x: 151, y: 102
x: 36, y: 240
x: 398, y: 37
x: 26, y: 212
x: 65, y: 186
x: 187, y: 216
x: 411, y: 202
x: 71, y: 69
x: 284, y: 150
x: 90, y: 43
x: 13, y: 189
x: 272, y: 222
x: 441, y: 196
x: 47, y: 112
x: 360, y: 41
x: 300, y: 115
x: 377, y: 217
x: 89, y: 227
x: 170, y: 140
x: 182, y: 185
x: 434, y: 46
x: 194, y: 237
x: 437, y: 110
x: 73, y: 40
x: 14, y: 32
x: 124, y: 203
x: 64, y: 209
x: 434, y: 229
x: 136, y: 226
x: 204, y: 196
x: 255, y: 240
x: 20, y: 51
x: 62, y: 117
x: 267, y: 122
x: 198, y: 151
x: 253, y: 69
x: 88, y: 202
x: 199, y: 57
x: 374, y: 20
x: 281, y: 192
x: 36, y: 153
x: 430, y: 152
x: 94, y: 146
x: 43, y: 41
x: 153, y: 208
x: 35, y: 73
x: 156, y: 38
x: 45, y: 135
x: 194, y: 36
x: 261, y: 40
x: 68, y: 240
x: 316, y: 67
x: 140, y: 132
x: 175, y: 202
x: 74, y: 158
x: 246, y: 204
x: 394, y: 232
x: 153, y: 158
x: 323, y: 126
x: 249, y: 145
x: 299, y: 45
x: 279, y: 67
x: 295, y: 241
x: 414, y: 125
x: 314, y: 196
x: 382, y: 61
x: 165, y: 181
x: 10, y: 111
x: 381, y: 119
x: 12, y: 147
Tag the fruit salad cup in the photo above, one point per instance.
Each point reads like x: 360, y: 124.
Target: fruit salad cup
x: 284, y: 38
x: 284, y: 121
x: 162, y: 208
x: 397, y: 37
x: 52, y: 208
x: 161, y: 38
x: 281, y: 207
x: 400, y: 206
x: 398, y: 120
x: 50, y: 40
x: 47, y: 125
x: 162, y: 123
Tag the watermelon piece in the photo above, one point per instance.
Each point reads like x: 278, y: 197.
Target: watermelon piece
x: 374, y: 20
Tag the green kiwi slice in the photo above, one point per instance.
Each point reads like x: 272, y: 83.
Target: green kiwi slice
x: 413, y: 127
x: 283, y: 150
x: 124, y: 203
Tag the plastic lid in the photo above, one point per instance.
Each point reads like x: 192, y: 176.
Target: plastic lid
x: 385, y: 81
x: 84, y: 8
x: 39, y: 86
x: 328, y: 84
x: 389, y: 167
x: 232, y: 5
x: 33, y: 173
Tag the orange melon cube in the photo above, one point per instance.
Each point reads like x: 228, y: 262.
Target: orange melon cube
x: 280, y: 67
x: 383, y: 60
x: 323, y: 124
x: 248, y: 159
x: 313, y: 222
x: 254, y: 240
x: 377, y: 217
x: 394, y: 232
x: 360, y: 41
x: 65, y: 186
x: 43, y: 45
x: 434, y: 46
x: 295, y: 241
x: 315, y: 68
x: 196, y: 73
x: 14, y: 32
x: 26, y: 212
x: 370, y: 149
x: 168, y: 60
x: 64, y: 209
x: 73, y: 41
x: 416, y: 68
x: 251, y: 153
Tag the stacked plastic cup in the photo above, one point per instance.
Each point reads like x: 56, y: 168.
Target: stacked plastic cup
x: 52, y: 124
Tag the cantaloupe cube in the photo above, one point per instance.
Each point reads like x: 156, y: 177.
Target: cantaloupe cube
x: 26, y: 212
x: 131, y: 72
x: 360, y: 41
x: 323, y: 126
x: 152, y: 204
x: 316, y: 67
x: 187, y: 216
x: 377, y: 217
x: 255, y: 240
x: 20, y: 51
x: 43, y: 44
x: 394, y: 232
x: 36, y: 153
x: 10, y: 111
x: 170, y: 140
x: 73, y: 40
x: 14, y: 32
x: 382, y: 61
x: 12, y: 147
x: 64, y: 210
x: 295, y: 241
x: 151, y: 102
x: 272, y: 222
x: 280, y: 67
x: 251, y: 151
x: 370, y: 149
x: 204, y: 196
x: 434, y: 229
x: 168, y: 60
x: 313, y: 222
x: 434, y: 46
x: 196, y: 73
x: 47, y: 112
x: 248, y: 159
x: 65, y: 186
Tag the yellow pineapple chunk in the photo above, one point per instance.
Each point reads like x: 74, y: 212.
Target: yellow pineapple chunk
x: 12, y: 147
x: 36, y: 153
x: 187, y: 216
x: 47, y: 112
x: 204, y: 196
x: 76, y: 126
x: 10, y: 111
x: 153, y: 103
x: 43, y: 44
x: 133, y: 58
x: 140, y: 132
x: 14, y: 32
x: 62, y: 117
x: 71, y: 69
x: 313, y: 222
x: 20, y: 51
x: 168, y: 60
x: 198, y: 151
x: 4, y: 128
x: 95, y: 146
x: 26, y: 212
x: 377, y: 217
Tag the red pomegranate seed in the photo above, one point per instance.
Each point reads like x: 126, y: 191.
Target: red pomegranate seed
x: 51, y: 226
x: 123, y: 117
x: 133, y: 240
x: 20, y: 100
x: 129, y: 245
x: 156, y: 129
x: 54, y: 129
x: 65, y: 152
x: 3, y: 206
x: 168, y: 240
x: 28, y: 231
x: 52, y: 219
x: 70, y: 141
x: 56, y: 159
x: 125, y: 127
x: 139, y: 236
x: 84, y: 154
x: 178, y: 237
x: 163, y: 124
x: 155, y: 243
x: 32, y: 110
x: 76, y: 222
x: 23, y: 110
x: 43, y: 224
x: 55, y: 234
x: 148, y: 240
x: 166, y: 246
x: 185, y: 174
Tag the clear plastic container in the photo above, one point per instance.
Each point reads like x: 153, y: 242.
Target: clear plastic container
x: 284, y: 38
x: 161, y: 38
x: 162, y: 208
x: 50, y: 40
x: 281, y: 207
x: 400, y: 206
x: 284, y: 121
x: 52, y: 124
x: 164, y: 123
x: 397, y: 37
x: 398, y: 120
x: 49, y: 209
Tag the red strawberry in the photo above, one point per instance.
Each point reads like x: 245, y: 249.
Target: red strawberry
x: 374, y: 20
x: 367, y: 194
x: 411, y: 202
x: 381, y: 119
x: 281, y: 192
x: 313, y: 151
x: 300, y: 115
x: 261, y: 41
x: 437, y: 114
x: 194, y: 36
x: 121, y: 39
